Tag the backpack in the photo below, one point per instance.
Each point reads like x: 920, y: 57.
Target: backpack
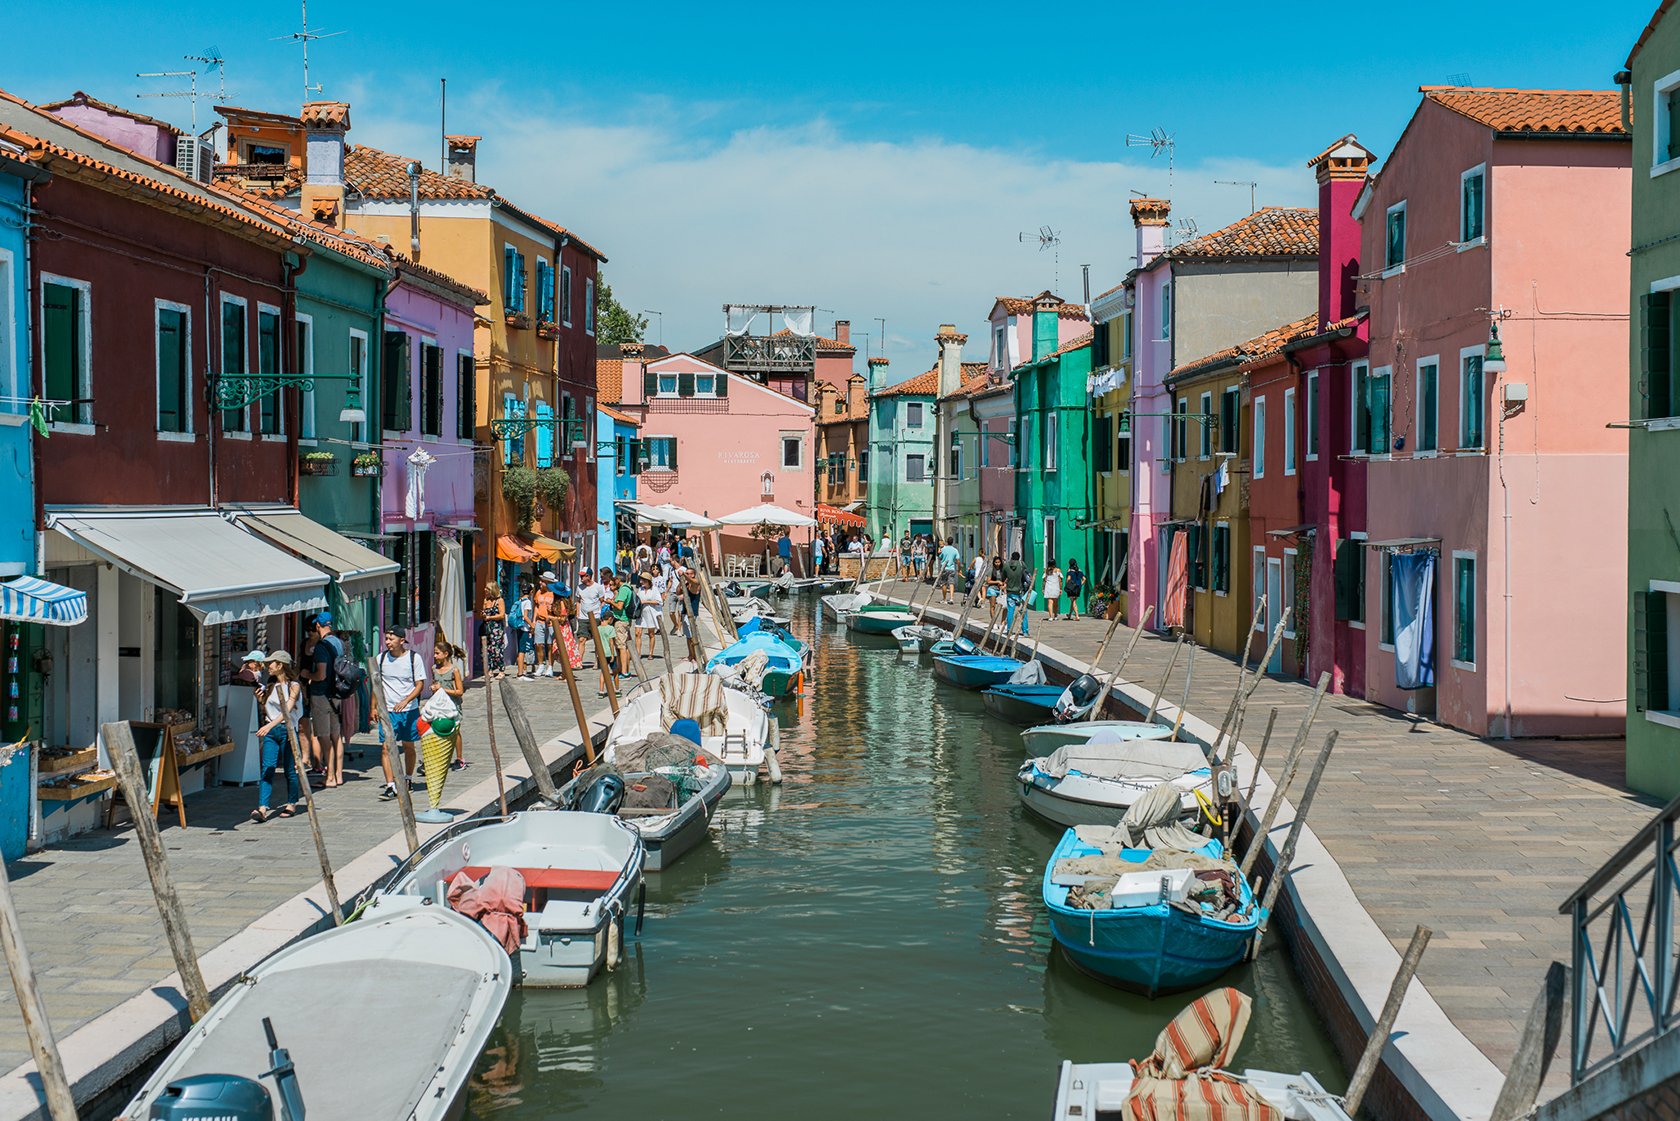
x: 348, y: 675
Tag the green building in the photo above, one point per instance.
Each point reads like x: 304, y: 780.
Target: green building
x: 1053, y: 488
x: 902, y: 452
x: 1653, y: 720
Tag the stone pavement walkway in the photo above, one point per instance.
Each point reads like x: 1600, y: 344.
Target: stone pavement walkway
x: 87, y: 909
x: 1479, y: 839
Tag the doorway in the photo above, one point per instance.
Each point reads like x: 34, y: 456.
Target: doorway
x: 1274, y: 609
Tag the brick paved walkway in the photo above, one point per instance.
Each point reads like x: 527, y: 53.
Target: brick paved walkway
x: 1480, y: 839
x: 88, y: 914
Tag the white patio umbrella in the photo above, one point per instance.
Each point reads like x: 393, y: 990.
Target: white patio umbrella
x: 667, y: 513
x: 768, y: 513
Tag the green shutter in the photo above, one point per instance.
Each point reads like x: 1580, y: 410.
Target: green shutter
x: 1382, y: 440
x: 685, y: 384
x: 233, y: 361
x: 1656, y: 651
x: 1674, y: 124
x: 397, y: 390
x: 671, y: 458
x: 721, y: 385
x: 61, y: 344
x: 171, y: 348
x: 466, y: 402
x: 1193, y: 549
x: 1655, y: 344
x: 1464, y: 610
x: 1346, y: 590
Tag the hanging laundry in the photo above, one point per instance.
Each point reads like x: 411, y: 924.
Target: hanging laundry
x: 1221, y: 479
x: 1412, y: 604
x: 1178, y: 580
x: 414, y: 503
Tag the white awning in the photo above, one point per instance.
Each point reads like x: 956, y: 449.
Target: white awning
x: 358, y: 570
x: 221, y: 573
x: 768, y: 513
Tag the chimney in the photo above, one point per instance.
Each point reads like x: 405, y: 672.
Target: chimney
x: 463, y: 157
x: 1150, y: 218
x: 1046, y: 325
x: 843, y: 331
x: 950, y: 358
x: 634, y: 375
x: 877, y: 374
x: 1341, y: 170
x: 324, y: 126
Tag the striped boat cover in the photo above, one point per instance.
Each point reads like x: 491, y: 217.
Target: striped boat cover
x: 1183, y: 1079
x: 697, y: 697
x: 33, y: 600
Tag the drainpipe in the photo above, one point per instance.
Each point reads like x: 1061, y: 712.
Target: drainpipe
x: 414, y: 209
x: 209, y: 397
x: 1624, y: 80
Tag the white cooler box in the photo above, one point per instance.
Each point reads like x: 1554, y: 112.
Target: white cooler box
x: 1143, y: 889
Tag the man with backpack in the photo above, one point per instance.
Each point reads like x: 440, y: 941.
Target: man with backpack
x: 323, y: 712
x: 402, y: 678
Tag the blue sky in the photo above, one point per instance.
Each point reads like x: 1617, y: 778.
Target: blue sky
x: 876, y: 161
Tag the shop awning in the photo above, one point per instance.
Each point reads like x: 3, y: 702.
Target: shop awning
x: 30, y: 599
x: 1292, y: 531
x: 552, y: 551
x: 221, y: 573
x: 1403, y: 543
x: 358, y: 570
x: 515, y: 551
x: 827, y: 513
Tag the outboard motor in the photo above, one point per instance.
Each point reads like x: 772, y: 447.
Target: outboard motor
x: 603, y: 795
x: 1076, y: 700
x: 230, y: 1097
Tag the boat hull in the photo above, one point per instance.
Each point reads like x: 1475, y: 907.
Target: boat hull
x: 1089, y: 1090
x: 1044, y: 739
x: 1069, y: 802
x: 666, y: 837
x: 973, y: 672
x: 878, y: 622
x: 1021, y: 704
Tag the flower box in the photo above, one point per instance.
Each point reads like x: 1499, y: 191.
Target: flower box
x: 324, y: 464
x: 547, y: 329
x: 518, y: 319
x: 367, y: 466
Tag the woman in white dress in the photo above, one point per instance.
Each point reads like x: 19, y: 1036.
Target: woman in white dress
x: 647, y: 619
x: 1052, y: 588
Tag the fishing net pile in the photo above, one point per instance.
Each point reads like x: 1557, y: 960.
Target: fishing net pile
x: 661, y: 770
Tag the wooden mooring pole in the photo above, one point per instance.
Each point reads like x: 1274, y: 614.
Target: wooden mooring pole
x: 119, y: 745
x: 1367, y: 1068
x: 521, y: 723
x: 1126, y: 656
x: 1535, y: 1049
x: 1155, y: 701
x: 490, y: 729
x: 1286, y: 855
x: 55, y: 1084
x: 585, y: 733
x: 327, y: 881
x: 1296, y: 750
x: 1245, y: 693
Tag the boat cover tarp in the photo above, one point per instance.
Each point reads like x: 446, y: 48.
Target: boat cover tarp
x: 697, y: 697
x: 497, y: 904
x: 1133, y: 759
x: 1184, y: 1079
x: 1030, y: 673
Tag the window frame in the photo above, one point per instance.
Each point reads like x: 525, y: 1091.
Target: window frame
x: 1180, y: 431
x: 1205, y: 444
x: 1432, y: 416
x: 1166, y: 310
x: 1230, y: 410
x: 1291, y: 558
x: 1469, y: 555
x: 1661, y: 124
x: 1219, y: 557
x: 648, y: 442
x: 428, y: 343
x: 1362, y: 537
x: 1385, y: 375
x: 920, y: 457
x: 10, y: 368
x: 466, y: 404
x: 1392, y: 267
x: 279, y: 434
x: 1052, y: 438
x: 1258, y: 456
x: 1313, y: 427
x: 565, y: 295
x: 1359, y: 373
x: 185, y: 435
x: 798, y: 442
x: 1479, y: 171
x: 589, y: 306
x: 361, y: 430
x: 84, y: 343
x: 914, y: 419
x: 1385, y: 601
x: 1290, y: 464
x: 308, y: 433
x: 513, y: 264
x: 1479, y: 351
x: 244, y: 305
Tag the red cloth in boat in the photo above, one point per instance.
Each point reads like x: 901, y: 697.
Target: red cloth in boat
x: 1184, y: 1078
x: 498, y: 904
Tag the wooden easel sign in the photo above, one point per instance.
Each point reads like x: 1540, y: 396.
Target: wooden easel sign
x: 154, y: 744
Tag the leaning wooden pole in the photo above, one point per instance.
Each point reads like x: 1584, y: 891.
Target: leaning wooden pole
x: 1155, y: 701
x: 393, y: 756
x: 1254, y: 683
x: 521, y: 723
x: 1242, y: 675
x: 1535, y: 1048
x: 119, y: 745
x: 975, y: 595
x: 327, y: 880
x: 1126, y: 656
x: 1286, y: 855
x: 55, y: 1084
x: 1260, y: 757
x: 490, y: 730
x: 1367, y: 1068
x: 586, y: 734
x: 1296, y: 750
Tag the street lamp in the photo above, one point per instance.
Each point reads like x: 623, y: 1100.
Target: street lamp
x: 1494, y: 361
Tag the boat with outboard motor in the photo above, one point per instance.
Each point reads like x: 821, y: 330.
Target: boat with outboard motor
x: 1021, y: 704
x: 663, y: 786
x: 572, y: 878
x: 764, y: 658
x: 428, y: 977
x: 1095, y: 782
x: 1042, y: 739
x: 915, y: 637
x: 733, y: 725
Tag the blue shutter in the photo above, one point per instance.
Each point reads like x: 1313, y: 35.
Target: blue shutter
x: 545, y: 435
x: 510, y: 263
x: 518, y: 281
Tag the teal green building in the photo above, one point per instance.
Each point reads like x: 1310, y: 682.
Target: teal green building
x: 1054, y: 485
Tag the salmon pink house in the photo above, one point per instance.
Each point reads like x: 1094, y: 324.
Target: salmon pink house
x: 715, y: 442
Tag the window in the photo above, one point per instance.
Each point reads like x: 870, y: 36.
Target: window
x: 1381, y: 409
x: 1100, y: 345
x: 912, y: 414
x: 1259, y: 437
x: 839, y: 406
x: 1361, y: 430
x: 233, y: 358
x: 1230, y: 418
x: 1290, y: 600
x: 9, y: 365
x: 661, y: 453
x: 570, y: 432
x: 1429, y: 405
x: 1394, y: 254
x: 1257, y: 587
x: 513, y: 280
x: 1472, y: 208
x: 589, y: 306
x: 513, y: 447
x: 956, y: 461
x: 1196, y: 553
x: 793, y: 453
x: 67, y: 349
x: 863, y: 466
x: 1102, y: 445
x: 265, y: 153
x: 1222, y: 557
x: 1350, y: 580
x: 1385, y: 578
x: 1464, y: 610
x: 1126, y: 335
x: 1656, y: 618
x: 545, y: 434
x: 466, y: 395
x: 1289, y: 432
x: 397, y: 375
x: 1166, y: 310
x: 269, y: 418
x: 667, y: 385
x: 915, y: 468
x: 1206, y: 428
x: 621, y: 452
x: 1665, y: 120
x: 431, y: 389
x: 1657, y: 314
x: 1312, y: 417
x: 359, y: 367
x: 1180, y: 433
x: 704, y: 385
x: 1471, y: 396
x: 174, y: 369
x: 566, y: 294
x: 1000, y: 348
x: 545, y: 291
x: 1123, y: 444
x: 303, y: 342
x: 1015, y: 441
x: 1052, y: 429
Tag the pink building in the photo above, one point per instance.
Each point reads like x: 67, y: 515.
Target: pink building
x: 144, y: 136
x: 1507, y: 209
x: 715, y: 442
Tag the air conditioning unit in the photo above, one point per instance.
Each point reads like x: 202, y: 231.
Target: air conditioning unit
x: 193, y: 158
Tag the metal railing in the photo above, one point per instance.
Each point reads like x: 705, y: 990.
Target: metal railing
x: 769, y: 353
x: 1622, y: 940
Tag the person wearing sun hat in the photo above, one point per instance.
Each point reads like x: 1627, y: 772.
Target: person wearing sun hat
x: 282, y: 703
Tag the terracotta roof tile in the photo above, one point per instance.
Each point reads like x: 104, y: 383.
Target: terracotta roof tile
x: 976, y: 377
x: 325, y: 114
x: 1271, y: 231
x: 922, y: 385
x: 1534, y: 112
x: 1262, y: 346
x: 609, y: 380
x: 350, y: 244
x: 824, y: 343
x: 1023, y: 305
x: 380, y: 175
x: 622, y: 418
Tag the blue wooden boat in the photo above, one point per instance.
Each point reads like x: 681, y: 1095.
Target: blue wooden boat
x: 1022, y: 704
x: 879, y: 618
x: 760, y: 624
x: 1149, y: 946
x: 946, y: 647
x: 974, y: 671
x: 783, y: 675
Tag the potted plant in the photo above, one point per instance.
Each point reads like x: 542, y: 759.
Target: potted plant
x: 518, y: 319
x: 548, y: 329
x: 368, y: 465
x: 318, y: 463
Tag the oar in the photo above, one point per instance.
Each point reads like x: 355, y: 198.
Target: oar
x: 1143, y: 625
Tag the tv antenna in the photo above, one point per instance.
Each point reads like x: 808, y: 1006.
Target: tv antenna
x: 306, y: 37
x: 1249, y: 183
x: 191, y: 90
x: 1187, y: 228
x: 1159, y: 140
x: 1051, y: 240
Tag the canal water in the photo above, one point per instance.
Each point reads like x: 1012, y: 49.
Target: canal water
x: 865, y: 941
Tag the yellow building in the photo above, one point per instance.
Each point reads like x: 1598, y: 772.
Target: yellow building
x: 1111, y: 440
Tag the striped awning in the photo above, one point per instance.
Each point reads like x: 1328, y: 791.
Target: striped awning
x: 33, y: 600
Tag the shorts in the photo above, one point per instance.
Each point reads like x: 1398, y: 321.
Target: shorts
x: 405, y: 726
x: 991, y: 593
x: 526, y: 644
x: 543, y: 633
x: 323, y: 721
x: 621, y: 630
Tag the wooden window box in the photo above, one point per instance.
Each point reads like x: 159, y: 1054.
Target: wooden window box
x: 78, y: 786
x: 64, y: 760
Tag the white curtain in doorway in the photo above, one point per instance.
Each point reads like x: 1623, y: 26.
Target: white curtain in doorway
x: 451, y: 593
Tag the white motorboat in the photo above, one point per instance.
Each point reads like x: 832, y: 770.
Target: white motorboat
x: 1095, y: 783
x: 841, y: 604
x: 1043, y: 739
x: 430, y: 982
x: 912, y: 638
x: 732, y: 724
x: 671, y: 789
x: 580, y: 872
x: 1089, y: 1091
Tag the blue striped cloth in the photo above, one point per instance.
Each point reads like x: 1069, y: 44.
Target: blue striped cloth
x: 34, y: 600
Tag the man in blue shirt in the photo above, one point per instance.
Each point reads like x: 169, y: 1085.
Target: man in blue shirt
x: 784, y: 552
x: 949, y: 562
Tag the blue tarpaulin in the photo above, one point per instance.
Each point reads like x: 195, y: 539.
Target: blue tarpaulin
x: 1412, y: 601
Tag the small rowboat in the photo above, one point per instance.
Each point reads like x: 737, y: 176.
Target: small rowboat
x: 783, y: 665
x: 912, y: 638
x: 974, y: 671
x: 945, y: 647
x: 1021, y: 704
x: 1044, y: 739
x: 1096, y: 782
x: 879, y: 619
x: 670, y: 788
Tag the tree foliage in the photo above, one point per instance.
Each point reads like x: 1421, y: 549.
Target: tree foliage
x: 613, y: 322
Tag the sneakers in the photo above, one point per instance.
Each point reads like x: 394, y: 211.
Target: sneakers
x: 387, y: 792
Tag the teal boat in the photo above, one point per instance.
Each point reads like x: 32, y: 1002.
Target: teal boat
x: 974, y: 671
x: 879, y: 618
x: 784, y: 673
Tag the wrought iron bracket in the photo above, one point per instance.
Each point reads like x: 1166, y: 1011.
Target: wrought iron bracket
x: 237, y: 391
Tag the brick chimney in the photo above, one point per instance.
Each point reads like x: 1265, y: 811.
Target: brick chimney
x: 324, y: 126
x: 1150, y: 218
x: 843, y: 331
x: 1046, y: 336
x: 463, y: 157
x: 950, y: 343
x: 1341, y: 170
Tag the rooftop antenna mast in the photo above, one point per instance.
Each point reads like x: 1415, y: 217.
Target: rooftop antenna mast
x: 1159, y: 140
x: 191, y: 91
x: 1051, y: 240
x: 1249, y: 183
x: 306, y: 37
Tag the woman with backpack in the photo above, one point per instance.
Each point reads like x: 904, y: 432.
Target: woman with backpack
x: 1072, y: 585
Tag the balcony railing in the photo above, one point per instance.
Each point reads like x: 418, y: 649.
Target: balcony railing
x: 769, y: 354
x: 1624, y: 949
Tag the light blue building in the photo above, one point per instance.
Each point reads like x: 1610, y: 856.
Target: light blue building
x: 902, y: 456
x: 616, y: 468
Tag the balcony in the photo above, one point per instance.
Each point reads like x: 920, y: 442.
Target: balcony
x: 770, y: 354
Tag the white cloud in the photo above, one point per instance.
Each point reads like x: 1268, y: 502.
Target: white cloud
x: 920, y: 231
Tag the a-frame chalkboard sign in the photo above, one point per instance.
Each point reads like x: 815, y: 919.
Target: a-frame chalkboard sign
x: 155, y: 746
